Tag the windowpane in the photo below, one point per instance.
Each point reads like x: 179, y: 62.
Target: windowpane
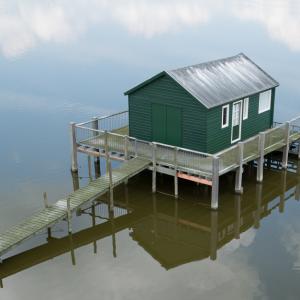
x: 264, y: 101
x: 225, y: 116
x: 246, y: 108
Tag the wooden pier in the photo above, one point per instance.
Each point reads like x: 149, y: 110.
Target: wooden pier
x: 63, y: 208
x: 107, y: 137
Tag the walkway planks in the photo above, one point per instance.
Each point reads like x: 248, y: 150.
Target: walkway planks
x: 53, y: 214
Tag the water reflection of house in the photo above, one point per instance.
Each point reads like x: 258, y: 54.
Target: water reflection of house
x: 172, y: 235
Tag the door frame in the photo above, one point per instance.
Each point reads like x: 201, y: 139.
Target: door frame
x: 241, y: 121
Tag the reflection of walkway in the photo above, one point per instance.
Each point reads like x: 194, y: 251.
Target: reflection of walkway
x: 174, y: 232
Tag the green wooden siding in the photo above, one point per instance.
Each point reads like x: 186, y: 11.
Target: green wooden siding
x: 165, y: 91
x: 219, y: 139
x: 201, y: 128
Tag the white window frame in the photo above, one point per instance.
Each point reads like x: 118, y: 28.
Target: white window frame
x: 246, y: 108
x: 227, y: 116
x: 240, y: 119
x: 265, y: 99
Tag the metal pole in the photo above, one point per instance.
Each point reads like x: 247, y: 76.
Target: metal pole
x: 285, y: 155
x: 175, y: 173
x: 261, y: 159
x: 239, y: 170
x: 74, y: 166
x: 154, y: 168
x: 215, y: 183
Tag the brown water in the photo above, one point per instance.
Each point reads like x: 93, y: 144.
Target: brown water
x: 156, y: 247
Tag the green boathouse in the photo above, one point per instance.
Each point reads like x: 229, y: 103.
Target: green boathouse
x: 206, y: 107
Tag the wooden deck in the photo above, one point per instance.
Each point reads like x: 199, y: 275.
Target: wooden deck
x: 53, y: 214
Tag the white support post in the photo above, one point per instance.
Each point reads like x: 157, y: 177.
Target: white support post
x: 154, y: 167
x: 261, y: 159
x: 74, y: 166
x: 215, y: 183
x: 111, y: 187
x: 69, y: 215
x: 239, y: 170
x: 175, y: 173
x: 285, y: 155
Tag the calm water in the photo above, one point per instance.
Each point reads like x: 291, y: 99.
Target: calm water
x: 59, y: 65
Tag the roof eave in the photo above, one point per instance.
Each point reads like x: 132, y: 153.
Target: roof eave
x: 144, y: 83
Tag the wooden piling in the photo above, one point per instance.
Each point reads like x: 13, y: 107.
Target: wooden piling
x: 239, y: 170
x: 261, y: 159
x: 285, y: 154
x: 215, y: 183
x: 154, y: 167
x: 74, y: 166
x: 175, y: 173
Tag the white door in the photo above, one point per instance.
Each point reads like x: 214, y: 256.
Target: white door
x: 236, y: 129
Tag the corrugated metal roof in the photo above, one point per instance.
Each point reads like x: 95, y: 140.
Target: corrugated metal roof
x: 218, y: 82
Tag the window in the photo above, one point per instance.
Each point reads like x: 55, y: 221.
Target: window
x: 264, y: 101
x: 225, y: 116
x: 245, y: 108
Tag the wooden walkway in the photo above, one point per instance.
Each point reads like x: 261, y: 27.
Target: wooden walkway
x: 58, y: 211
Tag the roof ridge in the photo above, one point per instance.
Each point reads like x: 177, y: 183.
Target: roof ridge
x: 210, y: 62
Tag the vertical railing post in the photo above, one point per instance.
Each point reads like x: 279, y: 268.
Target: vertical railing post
x: 215, y: 183
x: 111, y: 187
x: 135, y: 148
x: 106, y: 149
x: 95, y: 126
x: 154, y: 147
x: 46, y: 204
x: 239, y: 170
x: 74, y: 166
x: 285, y: 154
x: 175, y: 172
x: 261, y: 159
x: 126, y: 144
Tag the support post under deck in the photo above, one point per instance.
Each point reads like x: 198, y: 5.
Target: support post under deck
x: 154, y: 168
x: 74, y: 166
x: 111, y: 189
x: 285, y: 154
x: 239, y: 170
x: 215, y: 183
x: 261, y: 159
